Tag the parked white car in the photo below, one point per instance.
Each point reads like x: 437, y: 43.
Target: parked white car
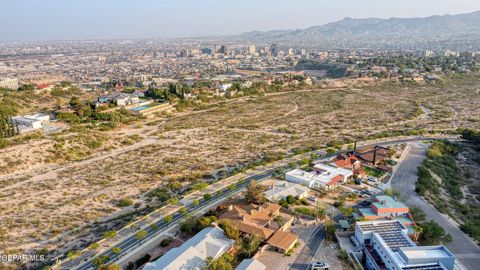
x: 318, y: 266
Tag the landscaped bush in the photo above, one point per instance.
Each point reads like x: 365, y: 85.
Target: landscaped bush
x: 124, y: 202
x: 165, y: 242
x: 306, y: 211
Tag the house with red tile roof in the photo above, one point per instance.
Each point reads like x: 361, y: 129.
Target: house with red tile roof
x: 251, y: 219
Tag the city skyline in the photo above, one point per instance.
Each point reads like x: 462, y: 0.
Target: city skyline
x: 57, y: 20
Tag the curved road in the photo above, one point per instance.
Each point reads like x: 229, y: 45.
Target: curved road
x: 466, y: 251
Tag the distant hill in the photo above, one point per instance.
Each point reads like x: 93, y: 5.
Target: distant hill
x: 376, y: 27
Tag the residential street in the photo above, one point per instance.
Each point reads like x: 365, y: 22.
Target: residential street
x: 130, y: 243
x: 308, y: 252
x: 404, y: 180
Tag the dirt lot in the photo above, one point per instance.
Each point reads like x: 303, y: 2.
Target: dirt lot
x: 48, y: 201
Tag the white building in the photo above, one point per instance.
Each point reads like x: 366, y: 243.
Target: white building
x: 328, y: 170
x: 191, y: 255
x: 323, y: 176
x: 386, y: 245
x: 11, y: 84
x: 121, y: 99
x: 30, y: 122
x: 278, y: 190
x: 301, y: 177
x: 224, y: 87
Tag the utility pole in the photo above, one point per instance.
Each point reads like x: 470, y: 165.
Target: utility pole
x: 374, y: 154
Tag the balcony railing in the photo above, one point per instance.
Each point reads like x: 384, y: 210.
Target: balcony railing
x: 375, y: 257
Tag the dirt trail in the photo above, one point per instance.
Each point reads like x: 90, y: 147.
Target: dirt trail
x: 286, y: 114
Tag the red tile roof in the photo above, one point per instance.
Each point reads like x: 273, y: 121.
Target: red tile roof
x: 42, y: 86
x: 336, y: 179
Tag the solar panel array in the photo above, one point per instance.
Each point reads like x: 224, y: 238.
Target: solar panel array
x: 395, y: 240
x: 381, y: 226
x: 390, y: 232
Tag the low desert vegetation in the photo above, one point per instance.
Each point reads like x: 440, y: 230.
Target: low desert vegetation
x: 174, y: 155
x: 449, y: 179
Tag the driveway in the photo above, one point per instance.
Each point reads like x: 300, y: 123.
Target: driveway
x: 308, y: 251
x: 466, y: 251
x: 308, y: 239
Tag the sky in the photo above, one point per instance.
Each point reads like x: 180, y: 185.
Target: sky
x: 30, y: 20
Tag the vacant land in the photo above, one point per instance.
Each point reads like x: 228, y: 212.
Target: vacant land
x: 450, y: 179
x: 55, y: 188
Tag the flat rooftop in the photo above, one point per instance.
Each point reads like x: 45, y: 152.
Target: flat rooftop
x: 388, y: 202
x: 425, y: 253
x: 380, y: 226
x: 391, y: 233
x: 332, y: 170
x: 412, y: 253
x: 367, y: 212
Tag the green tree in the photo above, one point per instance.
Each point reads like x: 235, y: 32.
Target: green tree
x: 124, y: 202
x: 222, y: 263
x: 434, y: 234
x: 290, y: 199
x: 93, y: 246
x: 207, y: 196
x: 168, y: 218
x: 110, y: 234
x: 116, y: 250
x: 330, y: 230
x: 205, y: 222
x: 346, y: 211
x: 189, y: 226
x: 418, y: 215
x: 254, y: 193
x: 250, y: 244
x: 196, y: 202
x: 417, y: 230
x: 141, y: 234
x: 183, y: 211
x: 230, y: 231
x: 280, y: 220
x: 99, y: 261
x: 283, y: 203
x: 470, y: 135
x: 173, y: 201
x: 7, y: 127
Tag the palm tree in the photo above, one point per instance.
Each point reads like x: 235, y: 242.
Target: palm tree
x: 417, y: 231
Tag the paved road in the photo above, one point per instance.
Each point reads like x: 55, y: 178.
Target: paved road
x: 308, y: 252
x: 131, y: 242
x: 404, y: 180
x: 307, y: 255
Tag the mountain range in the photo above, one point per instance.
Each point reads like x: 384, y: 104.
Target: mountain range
x: 444, y: 25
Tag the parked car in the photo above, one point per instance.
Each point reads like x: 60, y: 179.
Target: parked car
x: 312, y: 198
x: 319, y: 266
